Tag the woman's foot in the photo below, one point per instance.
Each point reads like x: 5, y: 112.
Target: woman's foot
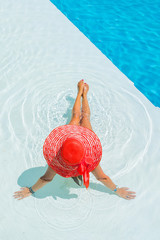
x: 85, y: 89
x: 80, y: 86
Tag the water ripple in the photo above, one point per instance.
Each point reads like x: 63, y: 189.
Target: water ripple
x: 118, y: 117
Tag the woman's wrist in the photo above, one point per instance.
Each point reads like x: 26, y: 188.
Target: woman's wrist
x: 31, y: 190
x: 115, y: 189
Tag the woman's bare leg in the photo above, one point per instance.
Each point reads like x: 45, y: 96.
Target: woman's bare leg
x: 85, y: 121
x: 76, y: 111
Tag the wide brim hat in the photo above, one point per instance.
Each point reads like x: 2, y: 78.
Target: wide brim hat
x: 72, y: 150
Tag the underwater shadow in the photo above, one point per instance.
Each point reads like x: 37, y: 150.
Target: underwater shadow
x: 100, y: 188
x: 58, y: 187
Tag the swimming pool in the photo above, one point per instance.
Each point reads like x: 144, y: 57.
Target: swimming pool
x: 127, y: 32
x: 42, y: 58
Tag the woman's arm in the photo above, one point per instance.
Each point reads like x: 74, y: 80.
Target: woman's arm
x: 122, y: 192
x: 46, y: 178
x: 42, y: 181
x: 39, y: 184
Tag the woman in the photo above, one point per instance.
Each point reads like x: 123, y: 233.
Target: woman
x: 71, y: 159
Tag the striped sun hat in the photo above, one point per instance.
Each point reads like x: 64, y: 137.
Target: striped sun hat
x: 72, y: 150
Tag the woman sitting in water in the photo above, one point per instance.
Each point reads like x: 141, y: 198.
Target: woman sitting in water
x: 74, y: 150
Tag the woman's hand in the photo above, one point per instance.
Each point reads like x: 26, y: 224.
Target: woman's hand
x: 122, y: 192
x: 22, y: 194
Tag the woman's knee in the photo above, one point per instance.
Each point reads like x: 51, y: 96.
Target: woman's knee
x: 86, y: 115
x: 85, y: 122
x: 76, y: 114
x: 75, y: 119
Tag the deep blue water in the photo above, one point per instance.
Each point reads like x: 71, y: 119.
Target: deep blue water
x: 127, y: 32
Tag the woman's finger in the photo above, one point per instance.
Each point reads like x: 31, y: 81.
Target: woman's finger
x: 18, y: 192
x: 16, y: 196
x: 131, y: 192
x: 128, y: 198
x: 132, y: 197
x: 21, y: 197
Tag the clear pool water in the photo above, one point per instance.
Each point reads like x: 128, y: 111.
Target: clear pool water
x: 127, y: 32
x: 43, y: 56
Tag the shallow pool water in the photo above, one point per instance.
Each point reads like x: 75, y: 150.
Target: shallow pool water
x: 127, y: 32
x: 42, y: 59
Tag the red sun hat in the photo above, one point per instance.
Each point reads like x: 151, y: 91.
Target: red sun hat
x: 72, y: 150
